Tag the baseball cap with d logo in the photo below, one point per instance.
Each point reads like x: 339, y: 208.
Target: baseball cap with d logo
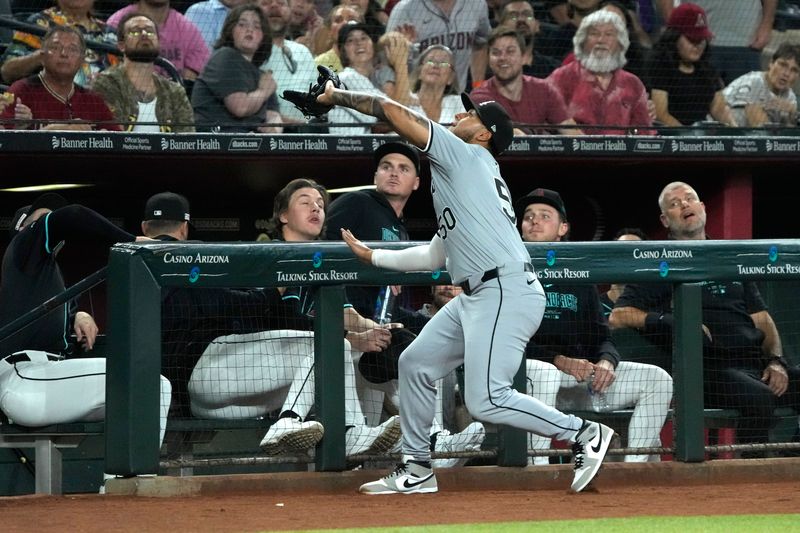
x: 496, y: 120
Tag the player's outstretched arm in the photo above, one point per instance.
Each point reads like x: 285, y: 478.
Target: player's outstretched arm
x: 408, y: 124
x: 423, y: 257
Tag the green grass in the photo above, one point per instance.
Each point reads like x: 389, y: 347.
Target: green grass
x: 785, y: 523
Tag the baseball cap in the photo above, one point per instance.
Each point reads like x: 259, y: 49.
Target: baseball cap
x: 496, y: 120
x: 48, y: 200
x: 541, y: 196
x: 690, y: 20
x: 349, y: 27
x: 167, y: 206
x: 398, y: 148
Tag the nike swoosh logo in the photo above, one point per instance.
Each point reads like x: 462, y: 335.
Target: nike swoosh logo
x: 596, y: 449
x: 530, y: 282
x: 408, y: 485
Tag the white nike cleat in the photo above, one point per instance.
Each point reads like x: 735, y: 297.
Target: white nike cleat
x: 410, y: 477
x: 289, y: 435
x: 378, y: 439
x: 468, y: 440
x: 589, y: 450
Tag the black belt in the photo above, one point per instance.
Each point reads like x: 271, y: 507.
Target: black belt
x: 488, y: 276
x: 22, y: 357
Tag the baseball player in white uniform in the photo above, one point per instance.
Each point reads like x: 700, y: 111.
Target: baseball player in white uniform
x: 488, y: 326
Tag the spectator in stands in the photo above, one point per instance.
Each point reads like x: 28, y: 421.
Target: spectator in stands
x: 373, y: 14
x: 134, y: 92
x: 357, y: 52
x: 52, y: 94
x: 435, y: 90
x: 609, y: 298
x: 464, y: 28
x: 558, y: 43
x: 766, y: 98
x: 572, y: 362
x: 742, y: 29
x: 684, y: 86
x: 40, y: 382
x: 243, y: 336
x: 596, y: 89
x: 519, y: 15
x: 743, y: 363
x: 180, y: 41
x: 304, y: 21
x: 325, y: 45
x: 25, y: 55
x: 291, y: 64
x: 232, y: 94
x: 530, y: 102
x: 209, y: 15
x: 634, y: 55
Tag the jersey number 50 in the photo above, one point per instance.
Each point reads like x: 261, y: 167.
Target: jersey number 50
x: 446, y: 221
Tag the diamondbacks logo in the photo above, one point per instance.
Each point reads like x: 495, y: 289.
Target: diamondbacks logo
x: 316, y: 260
x: 663, y: 269
x: 164, y: 143
x: 194, y: 274
x: 551, y: 257
x: 773, y: 254
x: 436, y: 274
x: 55, y: 142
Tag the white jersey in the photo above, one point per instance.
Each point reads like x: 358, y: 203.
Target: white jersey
x: 752, y: 88
x: 474, y: 211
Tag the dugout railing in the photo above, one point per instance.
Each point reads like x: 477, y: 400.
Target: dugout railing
x: 137, y: 274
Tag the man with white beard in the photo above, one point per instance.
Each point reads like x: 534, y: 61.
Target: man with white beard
x: 600, y: 96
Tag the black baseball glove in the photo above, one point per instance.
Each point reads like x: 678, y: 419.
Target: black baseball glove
x: 306, y: 102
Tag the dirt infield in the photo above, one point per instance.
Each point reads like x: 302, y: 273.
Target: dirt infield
x: 274, y: 509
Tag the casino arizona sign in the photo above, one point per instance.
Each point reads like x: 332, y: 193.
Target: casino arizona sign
x: 195, y: 259
x: 662, y: 254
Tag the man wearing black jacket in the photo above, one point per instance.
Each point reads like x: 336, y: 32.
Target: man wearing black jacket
x: 377, y: 215
x: 743, y: 363
x: 573, y: 364
x: 33, y: 366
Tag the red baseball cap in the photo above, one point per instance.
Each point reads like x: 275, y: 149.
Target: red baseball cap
x: 690, y: 20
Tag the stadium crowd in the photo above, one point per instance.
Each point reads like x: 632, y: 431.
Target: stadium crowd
x: 601, y: 66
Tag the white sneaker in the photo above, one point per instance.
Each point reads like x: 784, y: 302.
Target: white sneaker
x: 410, y: 477
x: 468, y: 440
x: 589, y: 450
x: 289, y: 435
x: 378, y: 439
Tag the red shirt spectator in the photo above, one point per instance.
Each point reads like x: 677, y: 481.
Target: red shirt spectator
x: 622, y: 103
x: 83, y: 104
x: 540, y: 103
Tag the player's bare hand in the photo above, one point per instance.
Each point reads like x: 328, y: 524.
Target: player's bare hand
x: 604, y: 376
x: 326, y: 98
x: 85, y: 329
x: 580, y: 369
x: 362, y: 251
x: 372, y: 340
x: 776, y: 378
